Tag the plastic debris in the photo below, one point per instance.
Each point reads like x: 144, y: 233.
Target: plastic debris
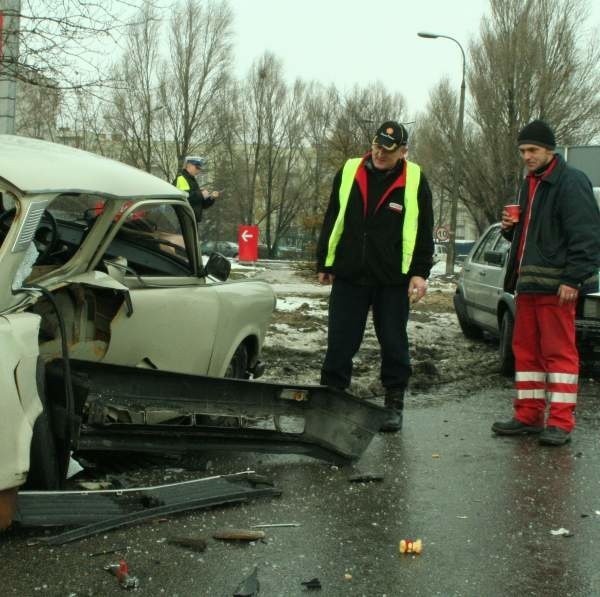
x: 250, y: 586
x: 239, y: 535
x: 195, y: 544
x: 313, y: 583
x: 121, y: 571
x: 562, y: 531
x: 411, y: 546
x: 365, y: 477
x: 347, y: 576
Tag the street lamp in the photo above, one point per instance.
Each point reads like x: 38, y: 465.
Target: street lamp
x: 458, y: 154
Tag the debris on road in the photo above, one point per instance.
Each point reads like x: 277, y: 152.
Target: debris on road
x: 276, y: 524
x: 121, y: 571
x: 195, y: 544
x: 239, y: 535
x: 365, y: 477
x: 249, y: 587
x: 561, y: 532
x: 410, y: 546
x: 313, y: 583
x: 113, y: 509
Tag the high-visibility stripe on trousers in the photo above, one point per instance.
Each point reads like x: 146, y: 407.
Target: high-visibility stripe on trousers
x: 546, y: 361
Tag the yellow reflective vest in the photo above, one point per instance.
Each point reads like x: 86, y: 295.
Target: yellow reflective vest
x: 411, y: 211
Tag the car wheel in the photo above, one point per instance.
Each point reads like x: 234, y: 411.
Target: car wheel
x: 44, y: 467
x: 507, y: 359
x: 469, y: 330
x: 238, y: 366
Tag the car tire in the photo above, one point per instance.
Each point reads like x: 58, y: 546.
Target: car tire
x: 44, y: 468
x: 507, y: 359
x: 238, y: 367
x: 469, y: 330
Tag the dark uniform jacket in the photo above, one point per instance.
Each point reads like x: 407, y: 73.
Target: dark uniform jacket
x: 562, y: 244
x: 195, y: 197
x: 370, y: 248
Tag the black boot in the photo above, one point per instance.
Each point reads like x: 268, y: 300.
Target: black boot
x: 394, y: 402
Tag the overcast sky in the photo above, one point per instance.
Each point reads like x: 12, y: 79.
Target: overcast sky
x: 347, y: 42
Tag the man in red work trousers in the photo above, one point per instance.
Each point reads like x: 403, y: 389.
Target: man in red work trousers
x: 554, y: 258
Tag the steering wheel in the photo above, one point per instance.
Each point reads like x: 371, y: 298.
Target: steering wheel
x: 45, y: 237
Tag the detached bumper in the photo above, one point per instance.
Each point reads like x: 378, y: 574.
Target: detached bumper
x: 142, y: 410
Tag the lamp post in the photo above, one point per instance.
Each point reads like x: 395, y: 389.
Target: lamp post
x: 458, y: 154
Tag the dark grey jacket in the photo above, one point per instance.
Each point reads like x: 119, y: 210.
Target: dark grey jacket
x: 562, y: 245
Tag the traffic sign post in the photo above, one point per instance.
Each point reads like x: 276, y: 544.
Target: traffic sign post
x: 442, y: 234
x: 247, y: 243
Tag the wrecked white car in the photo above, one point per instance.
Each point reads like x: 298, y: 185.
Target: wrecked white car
x: 114, y: 336
x: 102, y: 259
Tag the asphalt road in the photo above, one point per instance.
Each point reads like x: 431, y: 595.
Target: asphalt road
x: 484, y: 508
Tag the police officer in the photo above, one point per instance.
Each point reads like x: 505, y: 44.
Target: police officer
x: 200, y: 199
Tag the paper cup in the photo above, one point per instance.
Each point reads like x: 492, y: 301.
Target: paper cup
x: 514, y: 211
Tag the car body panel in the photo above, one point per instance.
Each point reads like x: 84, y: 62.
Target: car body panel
x: 58, y: 168
x: 19, y: 399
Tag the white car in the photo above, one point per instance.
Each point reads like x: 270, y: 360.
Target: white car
x: 100, y: 263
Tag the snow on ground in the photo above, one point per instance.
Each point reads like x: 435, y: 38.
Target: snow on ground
x: 297, y: 337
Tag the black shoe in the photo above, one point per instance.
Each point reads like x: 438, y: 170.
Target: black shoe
x: 514, y: 427
x: 554, y: 436
x: 394, y: 421
x: 394, y: 403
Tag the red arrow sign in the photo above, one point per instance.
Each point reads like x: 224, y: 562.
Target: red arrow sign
x: 247, y: 243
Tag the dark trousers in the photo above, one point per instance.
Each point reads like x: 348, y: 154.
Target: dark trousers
x: 348, y: 310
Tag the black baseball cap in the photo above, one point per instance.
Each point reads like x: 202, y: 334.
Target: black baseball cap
x: 391, y: 135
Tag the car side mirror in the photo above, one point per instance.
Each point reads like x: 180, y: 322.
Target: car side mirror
x: 495, y: 257
x: 218, y: 267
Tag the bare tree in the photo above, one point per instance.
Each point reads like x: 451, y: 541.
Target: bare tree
x: 200, y: 60
x: 532, y: 61
x: 320, y: 107
x: 290, y: 188
x: 361, y: 112
x: 242, y: 121
x: 433, y: 145
x: 58, y: 40
x: 134, y: 105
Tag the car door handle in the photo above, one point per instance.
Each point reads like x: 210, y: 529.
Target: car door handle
x: 482, y: 273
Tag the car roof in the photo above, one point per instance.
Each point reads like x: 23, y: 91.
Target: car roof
x: 37, y: 166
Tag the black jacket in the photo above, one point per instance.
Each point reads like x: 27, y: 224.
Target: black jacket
x: 195, y: 197
x: 562, y: 245
x: 370, y: 248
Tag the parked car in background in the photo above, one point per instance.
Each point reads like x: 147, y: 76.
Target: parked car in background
x: 482, y: 305
x: 440, y: 252
x: 461, y: 250
x: 225, y: 247
x: 99, y: 263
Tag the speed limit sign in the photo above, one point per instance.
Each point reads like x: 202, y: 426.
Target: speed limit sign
x: 441, y: 233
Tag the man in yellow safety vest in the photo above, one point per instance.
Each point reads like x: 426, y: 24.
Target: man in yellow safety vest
x: 376, y: 249
x: 186, y: 180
